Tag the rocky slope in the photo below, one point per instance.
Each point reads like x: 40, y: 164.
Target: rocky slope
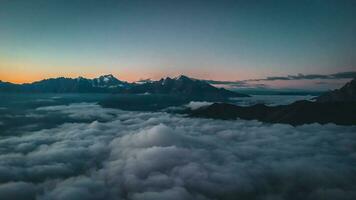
x: 345, y: 94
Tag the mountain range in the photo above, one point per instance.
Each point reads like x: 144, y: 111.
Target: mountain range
x: 181, y: 85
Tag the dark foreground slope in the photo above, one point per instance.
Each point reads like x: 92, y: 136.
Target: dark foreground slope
x: 338, y: 106
x: 345, y: 94
x: 301, y: 112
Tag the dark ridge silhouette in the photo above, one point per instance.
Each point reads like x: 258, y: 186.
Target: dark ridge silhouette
x: 338, y: 107
x: 345, y: 94
x: 300, y: 112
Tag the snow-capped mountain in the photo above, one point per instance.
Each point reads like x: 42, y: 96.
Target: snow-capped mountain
x: 108, y: 81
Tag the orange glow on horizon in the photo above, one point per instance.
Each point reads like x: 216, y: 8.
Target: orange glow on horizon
x: 129, y: 76
x: 29, y: 78
x: 27, y: 71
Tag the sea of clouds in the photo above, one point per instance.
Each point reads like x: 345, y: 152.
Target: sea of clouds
x: 116, y: 154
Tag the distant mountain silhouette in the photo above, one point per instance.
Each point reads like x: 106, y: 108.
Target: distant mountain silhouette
x: 107, y: 83
x: 8, y: 87
x: 337, y: 107
x: 181, y: 85
x: 345, y: 94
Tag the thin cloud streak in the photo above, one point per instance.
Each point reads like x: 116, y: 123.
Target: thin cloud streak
x: 340, y: 75
x: 251, y: 83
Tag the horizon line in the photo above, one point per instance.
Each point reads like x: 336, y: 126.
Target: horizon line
x: 299, y: 76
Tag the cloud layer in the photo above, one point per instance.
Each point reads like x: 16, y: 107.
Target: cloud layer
x: 136, y: 155
x: 261, y: 83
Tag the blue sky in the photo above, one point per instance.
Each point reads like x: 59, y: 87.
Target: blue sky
x: 220, y: 40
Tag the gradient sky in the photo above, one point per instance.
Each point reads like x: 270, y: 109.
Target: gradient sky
x: 221, y: 40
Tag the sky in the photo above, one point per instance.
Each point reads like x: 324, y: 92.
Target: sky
x: 212, y: 40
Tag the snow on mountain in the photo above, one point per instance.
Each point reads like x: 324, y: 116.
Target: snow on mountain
x: 108, y: 81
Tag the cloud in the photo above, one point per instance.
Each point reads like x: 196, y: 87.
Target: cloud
x: 77, y: 188
x: 147, y: 80
x: 193, y: 105
x: 143, y: 155
x: 17, y: 191
x: 174, y: 194
x: 81, y: 111
x: 236, y: 84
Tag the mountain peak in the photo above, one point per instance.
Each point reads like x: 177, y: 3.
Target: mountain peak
x: 182, y: 77
x: 79, y: 79
x: 108, y: 76
x: 108, y: 80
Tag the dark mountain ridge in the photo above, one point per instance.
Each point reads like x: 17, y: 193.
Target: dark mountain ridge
x: 347, y: 93
x: 338, y: 107
x: 298, y: 113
